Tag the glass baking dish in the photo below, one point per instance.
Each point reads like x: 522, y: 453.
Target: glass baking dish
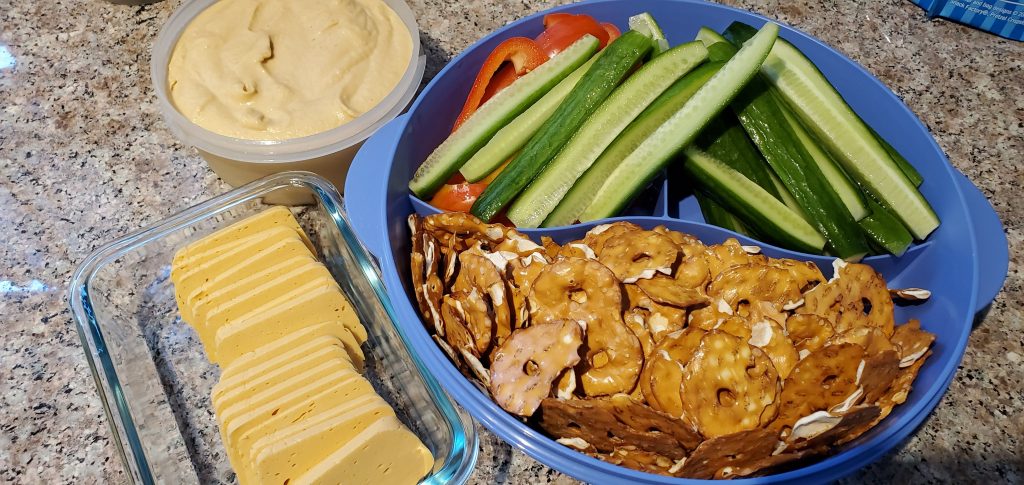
x: 150, y: 369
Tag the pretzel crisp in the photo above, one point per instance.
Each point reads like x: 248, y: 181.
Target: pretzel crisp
x: 856, y: 297
x: 639, y: 255
x: 729, y: 386
x: 524, y: 367
x: 719, y: 457
x: 522, y: 272
x: 750, y: 282
x: 586, y: 291
x: 721, y: 257
x: 608, y: 424
x: 659, y: 319
x: 662, y: 376
x: 911, y: 342
x: 821, y: 380
x: 426, y: 265
x: 596, y: 237
x: 651, y: 350
x: 668, y: 291
x: 486, y: 290
x: 808, y: 332
x: 771, y: 338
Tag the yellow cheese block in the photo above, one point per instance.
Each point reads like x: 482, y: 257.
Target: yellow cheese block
x: 278, y: 456
x: 313, y: 275
x: 286, y: 315
x: 278, y: 216
x: 200, y: 306
x: 384, y: 453
x: 244, y: 259
x: 255, y: 388
x: 330, y: 393
x: 287, y: 349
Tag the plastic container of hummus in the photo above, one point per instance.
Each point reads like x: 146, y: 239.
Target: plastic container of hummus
x: 235, y: 150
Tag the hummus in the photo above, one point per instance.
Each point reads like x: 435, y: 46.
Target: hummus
x: 279, y: 69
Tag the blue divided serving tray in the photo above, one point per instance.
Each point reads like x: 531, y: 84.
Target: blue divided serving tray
x: 963, y: 263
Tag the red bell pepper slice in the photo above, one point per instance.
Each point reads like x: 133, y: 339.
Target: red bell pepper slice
x: 522, y: 53
x: 563, y: 29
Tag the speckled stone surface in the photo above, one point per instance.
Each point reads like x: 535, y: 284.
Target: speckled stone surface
x: 85, y: 157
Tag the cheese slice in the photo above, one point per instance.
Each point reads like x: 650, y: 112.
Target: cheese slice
x: 278, y: 456
x: 315, y: 275
x: 237, y: 375
x: 287, y: 349
x: 202, y: 304
x: 244, y: 259
x: 385, y: 452
x: 328, y: 394
x: 254, y: 388
x: 256, y: 263
x: 277, y: 216
x: 301, y: 308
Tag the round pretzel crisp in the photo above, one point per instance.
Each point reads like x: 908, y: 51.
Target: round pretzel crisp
x: 426, y: 263
x: 660, y: 319
x: 818, y: 382
x: 639, y: 255
x: 662, y: 376
x: 808, y: 332
x: 745, y: 283
x: 596, y: 237
x: 729, y: 386
x: 586, y: 291
x: 856, y: 297
x: 522, y: 272
x: 526, y: 365
x: 721, y: 257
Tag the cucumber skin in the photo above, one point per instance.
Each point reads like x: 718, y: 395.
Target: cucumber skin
x: 596, y: 85
x: 445, y: 160
x: 725, y: 140
x: 512, y: 137
x: 579, y: 196
x: 924, y: 220
x: 839, y: 180
x: 728, y: 197
x: 885, y: 230
x: 716, y: 215
x: 608, y: 121
x: 651, y: 156
x: 760, y: 113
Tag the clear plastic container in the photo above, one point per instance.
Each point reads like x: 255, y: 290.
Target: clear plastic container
x: 240, y: 161
x: 152, y: 374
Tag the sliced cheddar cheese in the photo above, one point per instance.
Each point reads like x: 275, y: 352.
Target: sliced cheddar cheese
x: 385, y: 452
x: 305, y: 308
x: 287, y: 349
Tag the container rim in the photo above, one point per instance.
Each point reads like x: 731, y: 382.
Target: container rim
x: 460, y: 459
x: 287, y: 150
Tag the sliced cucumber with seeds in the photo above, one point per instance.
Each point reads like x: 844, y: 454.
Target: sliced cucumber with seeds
x: 508, y: 140
x: 583, y: 191
x: 843, y: 133
x: 766, y: 214
x: 597, y: 132
x: 645, y: 24
x: 844, y: 187
x: 495, y: 113
x: 644, y: 163
x: 597, y: 84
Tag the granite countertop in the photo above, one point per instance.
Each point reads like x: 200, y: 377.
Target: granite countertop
x: 85, y: 158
